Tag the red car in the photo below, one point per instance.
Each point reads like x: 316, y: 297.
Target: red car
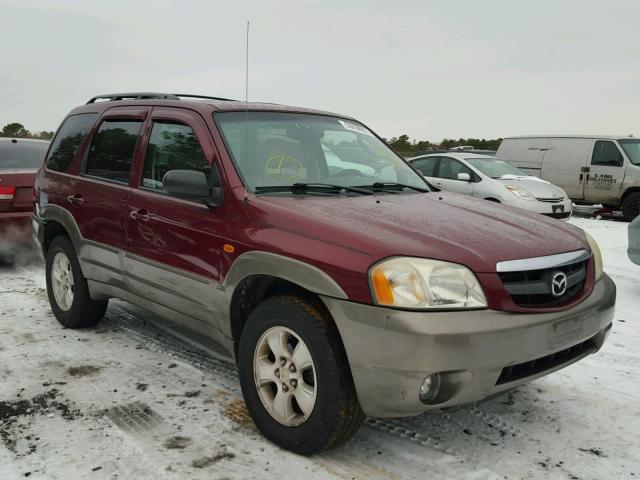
x: 20, y: 159
x: 296, y: 244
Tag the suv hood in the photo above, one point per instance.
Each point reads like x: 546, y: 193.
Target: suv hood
x: 536, y: 186
x: 439, y: 225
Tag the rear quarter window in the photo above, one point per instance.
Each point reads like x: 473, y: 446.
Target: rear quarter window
x: 68, y: 139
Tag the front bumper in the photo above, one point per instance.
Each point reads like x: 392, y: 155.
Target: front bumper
x: 561, y: 210
x: 391, y: 352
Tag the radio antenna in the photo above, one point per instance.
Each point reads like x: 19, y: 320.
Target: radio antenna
x: 246, y: 71
x: 246, y: 103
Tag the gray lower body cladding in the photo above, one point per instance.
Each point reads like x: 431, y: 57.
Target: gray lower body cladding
x: 478, y: 353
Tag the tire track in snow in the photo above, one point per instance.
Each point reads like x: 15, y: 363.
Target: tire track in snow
x: 159, y: 340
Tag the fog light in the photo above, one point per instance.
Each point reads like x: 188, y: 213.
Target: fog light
x: 430, y: 387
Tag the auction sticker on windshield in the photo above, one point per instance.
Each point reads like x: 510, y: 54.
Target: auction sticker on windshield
x: 355, y: 127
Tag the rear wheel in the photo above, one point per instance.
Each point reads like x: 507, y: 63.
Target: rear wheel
x: 295, y: 377
x: 631, y: 206
x: 67, y: 288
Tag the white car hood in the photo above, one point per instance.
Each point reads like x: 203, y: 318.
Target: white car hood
x: 536, y: 186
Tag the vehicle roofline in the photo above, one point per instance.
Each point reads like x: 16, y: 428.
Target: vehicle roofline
x: 210, y: 106
x: 21, y: 139
x: 586, y: 137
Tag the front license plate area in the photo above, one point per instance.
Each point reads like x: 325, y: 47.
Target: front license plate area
x: 557, y: 208
x: 561, y: 332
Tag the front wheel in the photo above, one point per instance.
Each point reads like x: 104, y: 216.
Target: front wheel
x: 67, y: 287
x: 295, y: 377
x: 631, y: 206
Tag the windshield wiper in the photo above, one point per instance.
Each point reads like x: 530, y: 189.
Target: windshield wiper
x: 298, y: 188
x: 394, y: 187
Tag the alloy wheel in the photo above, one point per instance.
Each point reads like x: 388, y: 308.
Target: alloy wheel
x: 62, y: 281
x: 285, y: 376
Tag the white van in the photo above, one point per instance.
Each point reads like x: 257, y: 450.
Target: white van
x: 591, y: 169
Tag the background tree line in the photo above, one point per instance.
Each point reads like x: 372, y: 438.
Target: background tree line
x: 407, y: 147
x: 17, y: 130
x: 401, y: 144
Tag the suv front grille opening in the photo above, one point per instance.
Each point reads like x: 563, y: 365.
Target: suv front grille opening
x: 533, y: 288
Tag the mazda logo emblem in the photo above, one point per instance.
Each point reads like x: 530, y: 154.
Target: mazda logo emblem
x: 558, y: 284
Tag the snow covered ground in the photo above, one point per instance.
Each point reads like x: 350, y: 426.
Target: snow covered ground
x: 124, y: 400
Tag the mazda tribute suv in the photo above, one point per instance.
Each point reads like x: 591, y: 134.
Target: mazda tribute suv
x: 296, y: 244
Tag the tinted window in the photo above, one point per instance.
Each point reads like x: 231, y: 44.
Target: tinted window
x: 21, y: 154
x: 606, y: 153
x: 172, y: 146
x: 426, y: 166
x: 112, y: 149
x: 68, y: 139
x: 450, y: 168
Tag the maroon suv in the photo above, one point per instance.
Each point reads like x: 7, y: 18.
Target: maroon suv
x: 297, y: 244
x: 20, y: 159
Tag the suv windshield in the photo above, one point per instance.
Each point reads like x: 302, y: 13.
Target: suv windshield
x: 282, y: 149
x: 495, y: 168
x: 22, y: 154
x: 632, y: 148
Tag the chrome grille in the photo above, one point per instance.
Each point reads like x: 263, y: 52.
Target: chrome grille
x: 530, y: 282
x: 550, y: 200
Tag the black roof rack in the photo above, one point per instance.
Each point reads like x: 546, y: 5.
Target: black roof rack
x: 188, y: 95
x: 110, y: 97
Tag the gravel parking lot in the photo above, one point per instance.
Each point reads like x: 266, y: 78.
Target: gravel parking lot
x: 126, y: 400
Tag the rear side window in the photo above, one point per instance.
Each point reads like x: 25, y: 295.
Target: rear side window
x: 112, y: 148
x: 22, y: 154
x: 426, y: 166
x: 68, y: 139
x: 606, y: 153
x: 172, y: 146
x: 450, y: 168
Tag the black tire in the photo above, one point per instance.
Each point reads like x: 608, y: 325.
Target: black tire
x: 84, y: 311
x: 336, y: 415
x: 631, y: 206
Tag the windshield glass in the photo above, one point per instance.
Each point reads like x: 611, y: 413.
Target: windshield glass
x: 494, y: 168
x: 632, y: 148
x: 22, y: 154
x: 281, y: 149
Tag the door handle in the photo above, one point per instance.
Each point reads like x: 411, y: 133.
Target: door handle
x: 75, y: 199
x: 141, y: 215
x: 438, y: 184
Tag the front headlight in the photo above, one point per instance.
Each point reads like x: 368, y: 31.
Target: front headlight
x: 419, y: 283
x: 519, y: 192
x: 597, y: 256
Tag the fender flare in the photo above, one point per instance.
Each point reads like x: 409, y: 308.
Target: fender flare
x: 265, y: 263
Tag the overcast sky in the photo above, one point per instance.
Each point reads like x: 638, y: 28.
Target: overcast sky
x: 425, y: 68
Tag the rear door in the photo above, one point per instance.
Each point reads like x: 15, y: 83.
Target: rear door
x: 525, y: 153
x: 604, y: 177
x: 447, y: 176
x: 98, y: 199
x: 565, y: 164
x: 175, y: 245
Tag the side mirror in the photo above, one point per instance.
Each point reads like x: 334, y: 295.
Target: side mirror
x: 465, y: 177
x: 186, y: 183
